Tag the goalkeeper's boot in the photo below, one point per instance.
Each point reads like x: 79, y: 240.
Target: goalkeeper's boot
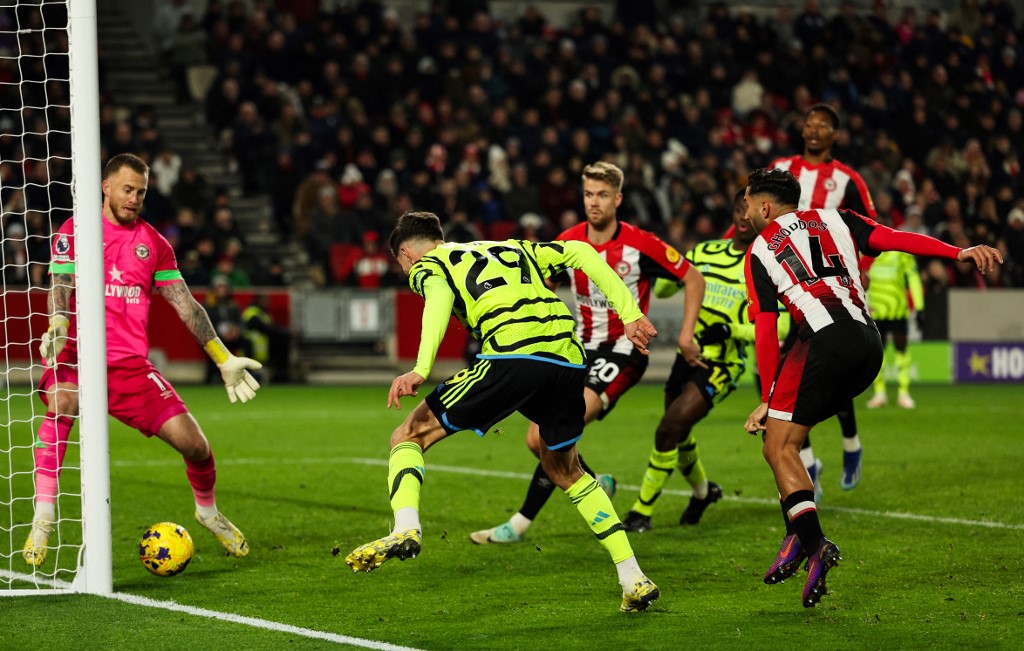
x: 501, y: 534
x: 787, y: 561
x: 372, y: 555
x: 37, y: 543
x: 608, y: 484
x: 695, y: 509
x: 226, y: 533
x: 820, y: 562
x: 636, y: 522
x: 643, y: 594
x: 851, y: 470
x: 905, y: 401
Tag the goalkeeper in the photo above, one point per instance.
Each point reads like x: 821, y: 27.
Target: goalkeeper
x: 691, y: 391
x: 135, y: 259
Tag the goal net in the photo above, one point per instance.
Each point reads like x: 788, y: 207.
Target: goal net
x: 49, y: 160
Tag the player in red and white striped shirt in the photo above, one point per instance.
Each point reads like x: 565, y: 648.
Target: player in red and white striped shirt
x: 827, y: 183
x: 809, y: 260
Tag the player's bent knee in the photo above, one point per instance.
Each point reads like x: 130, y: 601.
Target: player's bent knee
x: 533, y: 440
x: 420, y: 427
x: 64, y: 401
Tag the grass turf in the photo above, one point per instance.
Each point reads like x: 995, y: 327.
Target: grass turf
x: 302, y: 470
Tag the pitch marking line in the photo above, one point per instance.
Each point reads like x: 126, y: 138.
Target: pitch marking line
x: 254, y: 622
x: 481, y: 472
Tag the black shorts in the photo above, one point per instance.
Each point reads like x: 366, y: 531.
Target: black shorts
x: 548, y: 393
x: 715, y: 382
x: 894, y: 327
x: 611, y: 374
x: 821, y: 375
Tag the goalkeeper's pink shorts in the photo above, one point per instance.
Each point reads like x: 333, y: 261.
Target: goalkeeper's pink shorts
x: 137, y: 395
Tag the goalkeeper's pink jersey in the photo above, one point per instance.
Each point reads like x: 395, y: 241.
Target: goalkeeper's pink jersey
x: 135, y: 259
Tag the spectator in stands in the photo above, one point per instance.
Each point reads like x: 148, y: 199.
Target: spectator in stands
x: 223, y: 229
x: 328, y: 226
x: 191, y: 191
x: 222, y: 103
x: 189, y: 51
x: 351, y: 187
x: 269, y: 343
x: 231, y: 265
x: 167, y: 168
x: 252, y: 145
x: 372, y: 265
x: 166, y: 21
x: 308, y: 196
x: 226, y: 317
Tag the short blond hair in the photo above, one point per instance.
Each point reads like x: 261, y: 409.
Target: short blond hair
x: 606, y: 172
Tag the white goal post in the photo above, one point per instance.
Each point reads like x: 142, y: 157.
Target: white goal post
x: 80, y: 557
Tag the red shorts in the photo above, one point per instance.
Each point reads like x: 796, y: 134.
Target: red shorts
x: 137, y: 395
x: 818, y: 377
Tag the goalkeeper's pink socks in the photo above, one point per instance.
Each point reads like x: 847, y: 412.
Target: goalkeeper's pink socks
x: 49, y: 453
x: 202, y: 475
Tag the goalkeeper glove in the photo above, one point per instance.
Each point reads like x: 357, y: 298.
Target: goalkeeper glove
x: 54, y: 339
x: 715, y: 333
x: 240, y: 384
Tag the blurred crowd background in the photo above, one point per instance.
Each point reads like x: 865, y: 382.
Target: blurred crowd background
x: 348, y: 116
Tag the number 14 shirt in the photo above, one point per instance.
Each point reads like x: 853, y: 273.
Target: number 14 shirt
x: 808, y: 259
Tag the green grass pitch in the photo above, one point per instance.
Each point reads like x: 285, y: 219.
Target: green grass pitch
x: 302, y: 470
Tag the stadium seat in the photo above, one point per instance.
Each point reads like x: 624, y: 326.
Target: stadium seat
x: 342, y: 259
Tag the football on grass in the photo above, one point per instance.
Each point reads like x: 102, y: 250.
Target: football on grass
x: 166, y: 549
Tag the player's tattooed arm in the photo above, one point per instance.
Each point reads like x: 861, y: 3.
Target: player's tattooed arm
x: 189, y: 311
x: 61, y: 286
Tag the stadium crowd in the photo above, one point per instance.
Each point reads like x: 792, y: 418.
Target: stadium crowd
x: 351, y: 116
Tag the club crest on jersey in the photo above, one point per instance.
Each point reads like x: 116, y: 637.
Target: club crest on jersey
x: 622, y: 268
x: 63, y: 245
x: 141, y: 251
x: 830, y: 185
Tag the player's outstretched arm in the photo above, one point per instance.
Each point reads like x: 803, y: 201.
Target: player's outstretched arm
x: 883, y: 238
x: 240, y: 384
x: 56, y: 336
x: 983, y: 255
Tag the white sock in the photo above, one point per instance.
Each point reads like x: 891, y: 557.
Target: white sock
x: 629, y: 573
x: 207, y: 512
x: 520, y: 523
x: 45, y: 511
x: 807, y: 457
x: 700, y: 491
x: 851, y: 444
x: 407, y: 518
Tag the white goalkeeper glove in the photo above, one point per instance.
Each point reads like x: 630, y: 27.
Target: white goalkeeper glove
x: 54, y: 339
x: 241, y: 385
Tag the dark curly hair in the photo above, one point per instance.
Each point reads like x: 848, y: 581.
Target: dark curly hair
x: 415, y: 226
x: 780, y: 185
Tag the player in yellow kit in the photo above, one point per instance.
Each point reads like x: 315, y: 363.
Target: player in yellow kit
x: 891, y: 276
